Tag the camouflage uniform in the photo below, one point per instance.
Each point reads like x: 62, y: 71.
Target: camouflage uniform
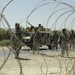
x: 16, y: 40
x: 55, y: 40
x: 72, y: 39
x: 64, y: 39
x: 36, y: 41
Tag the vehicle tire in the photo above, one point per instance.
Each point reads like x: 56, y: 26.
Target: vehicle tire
x: 49, y: 46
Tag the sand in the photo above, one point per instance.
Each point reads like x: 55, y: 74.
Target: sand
x: 47, y: 62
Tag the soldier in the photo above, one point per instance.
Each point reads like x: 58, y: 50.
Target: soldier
x: 64, y: 41
x: 40, y: 28
x: 36, y: 41
x: 16, y: 40
x: 72, y: 39
x: 55, y: 40
x: 32, y: 29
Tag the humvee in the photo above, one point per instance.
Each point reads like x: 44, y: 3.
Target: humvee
x: 34, y: 40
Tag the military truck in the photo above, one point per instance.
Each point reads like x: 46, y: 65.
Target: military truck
x: 37, y: 39
x: 33, y: 39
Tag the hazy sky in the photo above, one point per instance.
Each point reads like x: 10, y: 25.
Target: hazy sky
x: 18, y: 10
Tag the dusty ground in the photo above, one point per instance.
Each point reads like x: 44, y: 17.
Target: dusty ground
x: 46, y: 63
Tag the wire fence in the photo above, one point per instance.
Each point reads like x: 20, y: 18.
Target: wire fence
x: 46, y: 62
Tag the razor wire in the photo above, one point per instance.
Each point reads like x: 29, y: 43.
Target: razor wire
x: 65, y: 59
x: 2, y: 16
x: 59, y: 3
x: 36, y: 7
x: 6, y: 58
x: 64, y: 26
x: 45, y: 55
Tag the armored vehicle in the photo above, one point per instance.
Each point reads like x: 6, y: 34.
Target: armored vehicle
x: 32, y: 39
x: 37, y: 39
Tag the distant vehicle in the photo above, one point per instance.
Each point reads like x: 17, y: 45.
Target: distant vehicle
x: 35, y: 40
x: 42, y: 38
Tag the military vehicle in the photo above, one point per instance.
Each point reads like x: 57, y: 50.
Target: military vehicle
x: 37, y: 39
x: 33, y: 39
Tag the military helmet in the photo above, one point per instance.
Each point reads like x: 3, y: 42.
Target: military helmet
x: 64, y: 29
x: 17, y: 24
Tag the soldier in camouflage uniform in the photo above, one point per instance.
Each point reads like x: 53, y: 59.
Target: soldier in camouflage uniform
x: 55, y: 40
x: 72, y: 39
x: 16, y: 40
x: 64, y: 41
x: 36, y: 40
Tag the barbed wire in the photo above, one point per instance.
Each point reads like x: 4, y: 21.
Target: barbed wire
x: 68, y: 63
